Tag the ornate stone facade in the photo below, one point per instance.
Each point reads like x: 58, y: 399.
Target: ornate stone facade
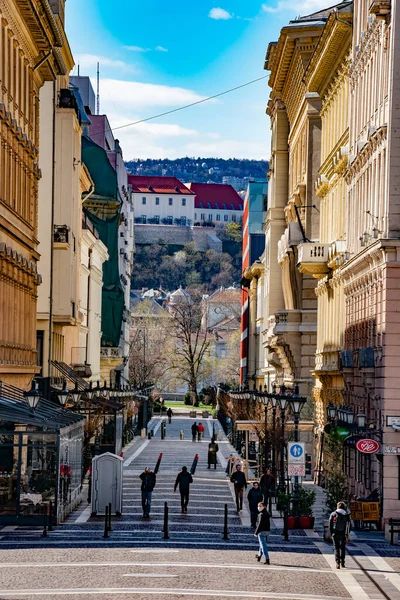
x: 29, y: 55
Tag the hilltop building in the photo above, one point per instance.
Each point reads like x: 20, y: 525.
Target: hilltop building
x: 216, y: 203
x: 161, y: 201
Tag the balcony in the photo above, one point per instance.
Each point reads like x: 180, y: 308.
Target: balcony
x: 87, y: 224
x: 313, y: 259
x: 61, y: 236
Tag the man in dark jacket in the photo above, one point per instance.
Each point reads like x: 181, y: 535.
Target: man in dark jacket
x: 148, y: 484
x: 254, y: 497
x: 267, y: 484
x: 184, y: 480
x: 262, y: 530
x: 194, y: 431
x: 212, y: 453
x: 169, y: 414
x: 239, y: 480
x: 339, y: 525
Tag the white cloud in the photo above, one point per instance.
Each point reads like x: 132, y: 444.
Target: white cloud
x: 220, y: 14
x: 161, y: 49
x: 299, y: 7
x: 129, y: 96
x: 89, y: 61
x: 136, y: 49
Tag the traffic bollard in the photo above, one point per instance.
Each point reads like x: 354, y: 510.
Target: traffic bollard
x: 105, y: 534
x: 109, y: 517
x: 225, y: 536
x: 44, y: 533
x: 162, y: 430
x: 149, y: 435
x: 50, y: 526
x: 181, y: 434
x: 285, y: 526
x: 165, y: 528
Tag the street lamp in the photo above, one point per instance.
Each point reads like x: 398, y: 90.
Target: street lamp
x: 32, y: 396
x: 63, y: 394
x: 90, y: 392
x: 361, y: 420
x: 282, y: 401
x: 296, y: 404
x: 331, y: 410
x: 76, y: 395
x: 263, y: 398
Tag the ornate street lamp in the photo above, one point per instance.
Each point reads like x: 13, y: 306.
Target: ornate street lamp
x: 331, y: 410
x: 296, y: 404
x: 350, y: 416
x: 63, y: 394
x: 32, y: 396
x: 361, y: 420
x: 76, y: 395
x: 90, y: 392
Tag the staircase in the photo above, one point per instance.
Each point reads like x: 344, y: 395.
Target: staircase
x: 319, y: 510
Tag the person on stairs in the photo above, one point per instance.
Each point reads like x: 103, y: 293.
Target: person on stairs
x: 183, y: 480
x: 339, y: 525
x: 212, y: 453
x: 262, y: 530
x: 169, y: 414
x: 239, y: 480
x: 194, y: 431
x: 254, y: 497
x: 148, y: 484
x: 200, y: 431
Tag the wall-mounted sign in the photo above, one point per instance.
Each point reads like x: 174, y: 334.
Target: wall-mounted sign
x: 392, y: 421
x: 392, y: 449
x: 367, y: 446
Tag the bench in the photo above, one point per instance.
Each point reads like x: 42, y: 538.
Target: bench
x: 394, y: 525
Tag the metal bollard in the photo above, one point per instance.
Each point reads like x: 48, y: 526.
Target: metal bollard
x: 50, y: 527
x: 226, y: 536
x: 285, y: 526
x: 109, y: 517
x: 181, y: 434
x: 162, y: 430
x: 89, y: 498
x: 105, y: 534
x: 44, y: 533
x: 149, y: 435
x: 165, y: 528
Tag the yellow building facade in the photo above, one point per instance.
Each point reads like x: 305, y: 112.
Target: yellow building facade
x: 30, y: 41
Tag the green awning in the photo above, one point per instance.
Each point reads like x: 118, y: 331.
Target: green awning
x: 105, y: 201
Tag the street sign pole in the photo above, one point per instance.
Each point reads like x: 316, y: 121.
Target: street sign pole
x: 296, y: 464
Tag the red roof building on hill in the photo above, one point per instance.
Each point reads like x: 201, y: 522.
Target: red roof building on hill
x: 158, y: 185
x: 216, y: 202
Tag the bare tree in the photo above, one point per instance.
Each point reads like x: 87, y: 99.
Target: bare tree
x: 191, y: 343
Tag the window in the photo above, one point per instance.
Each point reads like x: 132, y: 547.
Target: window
x: 210, y: 217
x: 157, y: 201
x: 183, y: 201
x: 144, y: 219
x: 224, y: 206
x: 183, y: 221
x: 218, y: 217
x: 226, y: 217
x: 234, y: 218
x: 217, y: 205
x: 170, y: 201
x: 203, y: 217
x: 143, y: 200
x: 195, y: 216
x: 157, y: 219
x: 208, y: 204
x: 169, y: 219
x: 201, y: 205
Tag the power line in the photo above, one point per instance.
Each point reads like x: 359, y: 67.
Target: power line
x: 174, y: 110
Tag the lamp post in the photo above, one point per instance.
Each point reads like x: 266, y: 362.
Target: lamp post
x: 282, y: 402
x: 264, y: 399
x: 32, y: 396
x: 296, y: 404
x: 63, y: 394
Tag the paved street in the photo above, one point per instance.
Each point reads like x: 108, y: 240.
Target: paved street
x: 136, y: 562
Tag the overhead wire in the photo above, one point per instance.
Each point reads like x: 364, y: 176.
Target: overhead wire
x: 174, y: 110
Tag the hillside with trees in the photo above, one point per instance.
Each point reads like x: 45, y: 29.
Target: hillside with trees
x: 199, y: 170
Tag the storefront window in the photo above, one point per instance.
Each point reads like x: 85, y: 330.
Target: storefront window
x: 8, y: 476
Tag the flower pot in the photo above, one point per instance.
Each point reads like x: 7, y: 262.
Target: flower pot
x: 291, y: 522
x: 306, y: 522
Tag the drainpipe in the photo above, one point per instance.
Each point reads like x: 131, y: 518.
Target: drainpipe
x: 88, y: 307
x: 53, y: 190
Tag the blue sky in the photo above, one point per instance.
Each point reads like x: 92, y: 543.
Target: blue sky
x: 156, y: 56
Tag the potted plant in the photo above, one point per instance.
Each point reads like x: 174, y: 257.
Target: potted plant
x: 283, y: 505
x: 306, y: 500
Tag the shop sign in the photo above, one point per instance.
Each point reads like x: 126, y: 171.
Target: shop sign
x: 367, y: 446
x: 392, y: 449
x: 296, y: 470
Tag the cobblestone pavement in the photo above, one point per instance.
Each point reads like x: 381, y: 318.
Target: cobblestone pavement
x: 135, y: 562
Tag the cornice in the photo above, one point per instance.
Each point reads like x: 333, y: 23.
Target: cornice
x: 366, y: 48
x: 377, y: 138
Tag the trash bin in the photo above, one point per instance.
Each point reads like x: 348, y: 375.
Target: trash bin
x: 149, y: 435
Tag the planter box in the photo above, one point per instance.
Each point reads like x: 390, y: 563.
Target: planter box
x: 306, y: 522
x: 205, y: 414
x: 192, y: 414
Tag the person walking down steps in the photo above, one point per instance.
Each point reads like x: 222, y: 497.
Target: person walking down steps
x: 148, y: 484
x: 254, y: 497
x: 262, y: 530
x: 200, y: 431
x: 195, y: 430
x: 339, y: 525
x: 169, y: 414
x: 183, y: 480
x: 212, y: 453
x: 239, y: 480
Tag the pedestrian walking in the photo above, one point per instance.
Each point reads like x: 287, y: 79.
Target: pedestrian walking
x: 183, y: 480
x: 262, y: 530
x: 194, y: 431
x: 254, y: 497
x: 267, y: 485
x: 200, y: 431
x: 339, y: 525
x: 239, y: 480
x: 169, y: 414
x: 148, y: 484
x: 212, y: 453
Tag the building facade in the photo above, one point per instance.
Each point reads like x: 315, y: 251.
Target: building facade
x: 31, y: 37
x: 216, y: 203
x: 161, y: 201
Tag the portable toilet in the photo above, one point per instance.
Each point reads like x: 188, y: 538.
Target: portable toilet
x: 107, y: 483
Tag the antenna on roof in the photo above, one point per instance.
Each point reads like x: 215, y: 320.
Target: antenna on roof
x: 98, y: 88
x: 78, y: 69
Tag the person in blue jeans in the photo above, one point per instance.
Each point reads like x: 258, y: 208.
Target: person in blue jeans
x: 148, y: 484
x: 262, y: 530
